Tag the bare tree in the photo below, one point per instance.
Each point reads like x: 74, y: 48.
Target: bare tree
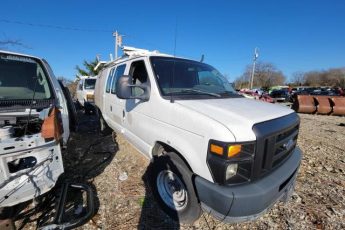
x: 298, y: 78
x: 266, y: 76
x: 71, y: 85
x: 333, y: 77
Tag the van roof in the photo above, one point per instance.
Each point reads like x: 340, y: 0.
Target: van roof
x: 132, y: 52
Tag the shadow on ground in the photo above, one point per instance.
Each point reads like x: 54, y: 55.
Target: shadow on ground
x: 152, y: 216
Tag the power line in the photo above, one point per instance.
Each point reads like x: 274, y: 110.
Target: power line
x: 58, y: 27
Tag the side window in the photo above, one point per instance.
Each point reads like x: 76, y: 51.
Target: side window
x: 118, y: 73
x: 110, y: 76
x: 139, y: 74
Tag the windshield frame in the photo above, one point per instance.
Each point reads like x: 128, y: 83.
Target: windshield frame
x: 187, y: 96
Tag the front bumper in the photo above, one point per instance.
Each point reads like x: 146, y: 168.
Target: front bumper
x: 249, y: 201
x: 28, y: 182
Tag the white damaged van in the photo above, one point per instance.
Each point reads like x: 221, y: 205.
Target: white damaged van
x: 210, y: 147
x: 34, y: 126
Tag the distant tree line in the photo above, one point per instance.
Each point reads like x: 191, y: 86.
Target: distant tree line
x: 268, y: 75
x: 334, y: 77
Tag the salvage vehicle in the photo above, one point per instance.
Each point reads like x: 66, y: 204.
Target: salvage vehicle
x: 280, y: 95
x: 210, y: 148
x: 35, y: 126
x: 85, y: 92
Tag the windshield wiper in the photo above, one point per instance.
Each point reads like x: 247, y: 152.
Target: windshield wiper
x: 201, y: 92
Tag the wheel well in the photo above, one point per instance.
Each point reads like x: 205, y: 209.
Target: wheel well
x: 160, y: 148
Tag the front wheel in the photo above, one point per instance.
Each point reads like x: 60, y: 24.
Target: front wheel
x: 172, y: 186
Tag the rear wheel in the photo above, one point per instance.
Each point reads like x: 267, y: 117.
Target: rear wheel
x: 172, y: 186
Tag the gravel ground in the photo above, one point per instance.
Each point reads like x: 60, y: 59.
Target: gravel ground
x: 118, y: 174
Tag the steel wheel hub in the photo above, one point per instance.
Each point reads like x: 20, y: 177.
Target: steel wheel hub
x: 171, y: 189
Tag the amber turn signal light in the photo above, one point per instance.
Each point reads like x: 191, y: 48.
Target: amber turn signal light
x: 216, y: 149
x: 234, y: 150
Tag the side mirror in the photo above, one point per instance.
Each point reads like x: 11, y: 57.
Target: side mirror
x: 125, y: 89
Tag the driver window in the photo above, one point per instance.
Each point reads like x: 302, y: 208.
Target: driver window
x: 139, y: 75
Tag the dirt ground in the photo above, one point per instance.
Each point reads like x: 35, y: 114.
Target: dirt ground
x: 117, y: 173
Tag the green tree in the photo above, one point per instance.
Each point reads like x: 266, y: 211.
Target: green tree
x: 88, y: 68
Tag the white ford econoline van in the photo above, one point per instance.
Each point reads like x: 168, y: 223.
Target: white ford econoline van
x: 209, y: 146
x: 85, y: 92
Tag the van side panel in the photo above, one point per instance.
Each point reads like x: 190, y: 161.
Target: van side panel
x: 99, y: 88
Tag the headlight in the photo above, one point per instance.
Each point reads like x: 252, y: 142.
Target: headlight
x: 230, y: 163
x: 231, y: 171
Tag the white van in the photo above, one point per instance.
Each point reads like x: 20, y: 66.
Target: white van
x: 209, y: 146
x: 85, y: 92
x: 34, y: 126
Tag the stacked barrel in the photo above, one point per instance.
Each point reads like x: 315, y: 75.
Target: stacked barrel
x: 327, y: 105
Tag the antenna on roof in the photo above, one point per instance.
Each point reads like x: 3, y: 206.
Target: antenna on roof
x: 173, y: 73
x: 202, y: 58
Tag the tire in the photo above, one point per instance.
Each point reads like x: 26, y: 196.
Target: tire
x: 104, y: 129
x: 185, y: 208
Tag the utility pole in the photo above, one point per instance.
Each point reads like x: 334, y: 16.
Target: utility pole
x: 256, y: 55
x: 118, y: 41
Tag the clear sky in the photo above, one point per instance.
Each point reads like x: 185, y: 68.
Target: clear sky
x: 295, y: 35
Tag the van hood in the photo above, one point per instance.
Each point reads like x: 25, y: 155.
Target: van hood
x: 237, y: 114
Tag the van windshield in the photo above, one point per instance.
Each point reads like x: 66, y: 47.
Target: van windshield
x: 186, y: 78
x: 21, y: 78
x: 89, y: 83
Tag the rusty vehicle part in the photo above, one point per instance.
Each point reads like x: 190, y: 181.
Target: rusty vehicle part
x: 338, y: 106
x: 323, y: 105
x: 304, y: 104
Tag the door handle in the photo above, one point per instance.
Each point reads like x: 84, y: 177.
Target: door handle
x: 123, y: 114
x: 111, y: 108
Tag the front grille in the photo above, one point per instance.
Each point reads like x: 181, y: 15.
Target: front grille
x: 276, y: 140
x: 284, y: 146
